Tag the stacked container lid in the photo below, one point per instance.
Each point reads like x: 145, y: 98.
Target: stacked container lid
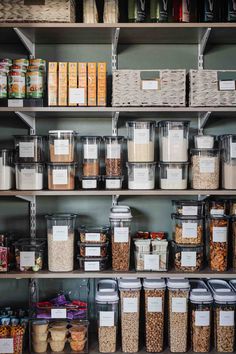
x: 113, y: 162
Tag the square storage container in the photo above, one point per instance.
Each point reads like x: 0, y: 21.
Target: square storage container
x: 188, y: 230
x: 188, y: 207
x: 188, y: 258
x: 204, y: 141
x: 93, y: 264
x: 30, y: 254
x: 228, y: 161
x: 93, y: 250
x: 99, y: 234
x: 173, y: 175
x: 29, y: 176
x: 90, y: 183
x: 61, y: 176
x: 151, y: 255
x: 29, y: 148
x: 62, y: 145
x: 141, y: 175
x: 113, y: 155
x: 113, y: 183
x: 217, y: 207
x: 7, y: 171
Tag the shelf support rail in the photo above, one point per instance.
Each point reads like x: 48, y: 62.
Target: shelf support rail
x: 29, y: 119
x: 114, y: 48
x: 29, y: 45
x: 202, y: 120
x: 202, y: 47
x: 115, y: 200
x: 32, y: 212
x: 115, y: 118
x: 201, y: 197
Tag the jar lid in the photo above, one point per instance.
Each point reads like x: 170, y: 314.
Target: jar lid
x: 222, y: 291
x: 113, y: 137
x: 131, y: 283
x: 200, y: 295
x: 120, y: 212
x: 87, y: 178
x: 178, y: 283
x: 93, y: 229
x: 154, y: 283
x: 61, y: 132
x: 177, y: 122
x: 187, y: 217
x: 188, y: 202
x: 217, y: 216
x: 106, y: 296
x: 187, y: 247
x: 59, y: 216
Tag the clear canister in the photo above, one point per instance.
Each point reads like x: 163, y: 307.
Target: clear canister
x: 188, y: 230
x: 233, y: 228
x: 188, y: 258
x: 188, y: 207
x: 173, y: 175
x: 228, y: 156
x: 154, y: 292
x: 217, y: 207
x: 29, y: 254
x: 61, y: 234
x: 141, y: 175
x: 204, y: 141
x: 6, y: 169
x: 91, y: 155
x: 29, y: 176
x: 62, y: 145
x: 130, y: 311
x: 173, y: 141
x: 29, y: 148
x: 61, y: 176
x: 141, y: 141
x: 3, y: 84
x: 120, y: 222
x: 113, y: 155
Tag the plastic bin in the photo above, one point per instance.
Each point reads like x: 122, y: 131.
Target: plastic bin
x: 61, y: 145
x: 188, y: 258
x: 90, y: 182
x: 97, y: 234
x: 204, y: 141
x: 188, y: 207
x: 141, y: 175
x: 29, y: 176
x: 93, y: 264
x: 228, y: 156
x: 151, y: 255
x: 61, y: 176
x: 188, y: 230
x: 93, y: 250
x: 217, y: 207
x: 29, y: 148
x: 91, y: 155
x: 113, y: 183
x: 113, y: 155
x: 30, y: 254
x: 173, y: 175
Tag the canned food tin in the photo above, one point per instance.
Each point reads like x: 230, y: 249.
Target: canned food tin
x: 6, y: 61
x: 16, y: 84
x: 4, y: 68
x: 20, y: 68
x: 3, y: 85
x: 40, y: 63
x: 21, y: 62
x: 34, y: 84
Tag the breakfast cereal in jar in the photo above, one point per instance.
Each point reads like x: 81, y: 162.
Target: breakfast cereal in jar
x: 3, y: 85
x: 34, y: 83
x: 16, y: 84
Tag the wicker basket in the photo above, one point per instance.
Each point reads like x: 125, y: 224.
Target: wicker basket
x: 149, y: 88
x: 212, y: 88
x: 37, y: 11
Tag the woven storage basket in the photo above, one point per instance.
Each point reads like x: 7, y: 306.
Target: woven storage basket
x: 128, y: 89
x: 205, y: 88
x: 37, y: 11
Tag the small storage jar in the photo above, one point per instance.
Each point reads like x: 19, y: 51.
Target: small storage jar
x: 173, y: 175
x: 93, y: 264
x: 96, y: 234
x: 188, y: 207
x: 228, y: 157
x: 188, y: 230
x: 7, y: 171
x: 141, y: 141
x: 187, y: 258
x: 90, y: 183
x: 29, y: 148
x: 113, y: 155
x: 62, y: 145
x: 130, y: 312
x: 113, y: 183
x: 29, y: 176
x: 61, y: 176
x: 91, y: 155
x: 29, y: 254
x: 141, y: 175
x: 217, y: 207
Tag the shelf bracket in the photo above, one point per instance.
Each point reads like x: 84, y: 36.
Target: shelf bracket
x: 29, y: 45
x: 29, y: 119
x: 201, y: 197
x: 115, y: 200
x: 202, y: 47
x: 115, y: 118
x: 202, y: 120
x: 114, y: 48
x: 32, y: 212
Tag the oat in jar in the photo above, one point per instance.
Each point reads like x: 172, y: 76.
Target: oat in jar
x: 3, y: 85
x: 16, y: 84
x: 34, y: 83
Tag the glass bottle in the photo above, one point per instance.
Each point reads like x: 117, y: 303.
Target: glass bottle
x: 159, y: 10
x: 209, y: 11
x: 137, y: 10
x: 228, y: 11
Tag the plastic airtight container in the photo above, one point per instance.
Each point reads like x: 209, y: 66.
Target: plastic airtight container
x: 173, y: 175
x: 228, y: 156
x: 61, y: 233
x: 187, y: 258
x: 61, y: 176
x: 188, y: 230
x: 29, y: 176
x: 113, y: 155
x: 90, y: 182
x: 7, y: 171
x: 204, y: 141
x: 141, y: 141
x: 95, y: 264
x: 188, y: 207
x: 154, y: 292
x: 141, y: 175
x: 173, y: 141
x: 113, y: 183
x: 130, y: 311
x: 61, y: 145
x: 29, y: 148
x: 217, y: 207
x: 29, y: 254
x: 97, y: 234
x: 178, y: 295
x: 201, y: 313
x: 151, y: 255
x: 91, y: 155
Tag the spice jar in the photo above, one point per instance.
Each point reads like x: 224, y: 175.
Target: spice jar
x: 141, y: 175
x: 154, y: 292
x: 29, y: 254
x: 29, y: 176
x: 62, y: 145
x: 113, y: 155
x: 173, y: 175
x: 61, y: 176
x: 120, y: 221
x: 188, y: 207
x: 187, y: 258
x: 91, y: 155
x: 178, y: 294
x: 218, y: 240
x: 188, y: 230
x: 173, y: 141
x: 217, y: 207
x: 130, y: 309
x: 16, y: 83
x: 61, y: 233
x: 141, y: 141
x: 201, y: 309
x: 29, y: 148
x: 6, y: 169
x: 228, y: 157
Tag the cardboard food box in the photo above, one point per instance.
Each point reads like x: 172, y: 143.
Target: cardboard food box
x: 62, y: 84
x: 52, y: 83
x: 73, y: 80
x: 102, y: 84
x: 92, y: 84
x: 83, y: 83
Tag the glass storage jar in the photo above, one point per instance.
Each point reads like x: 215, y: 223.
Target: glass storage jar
x: 201, y: 312
x: 92, y: 182
x: 141, y: 141
x: 61, y: 233
x: 29, y: 148
x: 91, y: 155
x: 188, y: 258
x: 218, y: 227
x: 173, y: 175
x: 29, y: 176
x: 29, y: 254
x: 130, y: 310
x: 188, y: 230
x: 188, y: 207
x: 141, y: 175
x: 62, y: 145
x: 113, y: 183
x: 178, y: 295
x: 205, y: 168
x: 228, y: 156
x: 7, y: 172
x: 154, y: 293
x: 204, y: 141
x: 217, y: 207
x: 173, y: 141
x: 113, y: 155
x: 61, y: 176
x: 98, y: 234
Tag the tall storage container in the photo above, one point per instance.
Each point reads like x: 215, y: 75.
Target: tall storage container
x: 228, y: 159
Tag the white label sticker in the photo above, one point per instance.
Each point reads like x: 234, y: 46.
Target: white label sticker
x: 233, y: 150
x: 176, y: 136
x: 93, y: 251
x: 219, y: 234
x: 28, y: 177
x: 15, y: 103
x: 60, y: 233
x: 6, y: 345
x: 202, y: 318
x: 27, y: 259
x: 174, y: 174
x: 90, y: 151
x: 151, y: 262
x: 179, y: 305
x: 91, y: 266
x: 190, y: 210
x: 121, y: 234
x: 92, y: 237
x: 113, y: 151
x: 26, y: 149
x: 226, y: 318
x: 217, y: 211
x: 150, y: 85
x: 76, y: 96
x: 154, y: 304
x: 107, y: 318
x: 141, y: 175
x: 59, y: 177
x: 189, y: 230
x: 141, y: 136
x: 227, y: 85
x: 205, y: 142
x: 188, y: 259
x: 113, y: 183
x: 89, y: 183
x: 61, y: 147
x: 58, y: 313
x: 207, y: 165
x: 130, y: 304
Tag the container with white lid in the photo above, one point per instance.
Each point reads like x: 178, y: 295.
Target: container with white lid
x: 61, y: 145
x: 177, y: 283
x: 204, y: 141
x: 154, y: 283
x: 129, y: 284
x: 107, y: 285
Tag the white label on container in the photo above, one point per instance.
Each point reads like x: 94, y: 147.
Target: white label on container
x: 1, y: 162
x: 233, y: 150
x: 217, y: 211
x: 113, y: 183
x: 219, y: 234
x: 26, y: 149
x: 190, y: 210
x: 179, y: 305
x: 93, y: 251
x: 15, y: 103
x: 176, y: 136
x: 60, y: 233
x: 205, y: 142
x: 150, y: 85
x: 106, y: 318
x: 226, y: 318
x: 130, y: 304
x: 121, y: 234
x: 90, y: 151
x: 141, y: 136
x: 202, y: 318
x: 151, y: 262
x: 76, y: 95
x: 60, y: 176
x: 188, y: 259
x: 227, y: 85
x: 154, y: 304
x: 174, y: 174
x: 207, y: 165
x: 6, y: 345
x: 61, y: 147
x: 189, y: 230
x: 113, y: 151
x: 28, y: 177
x: 58, y: 313
x: 27, y: 259
x: 91, y: 266
x: 89, y: 183
x: 141, y: 175
x: 92, y: 237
